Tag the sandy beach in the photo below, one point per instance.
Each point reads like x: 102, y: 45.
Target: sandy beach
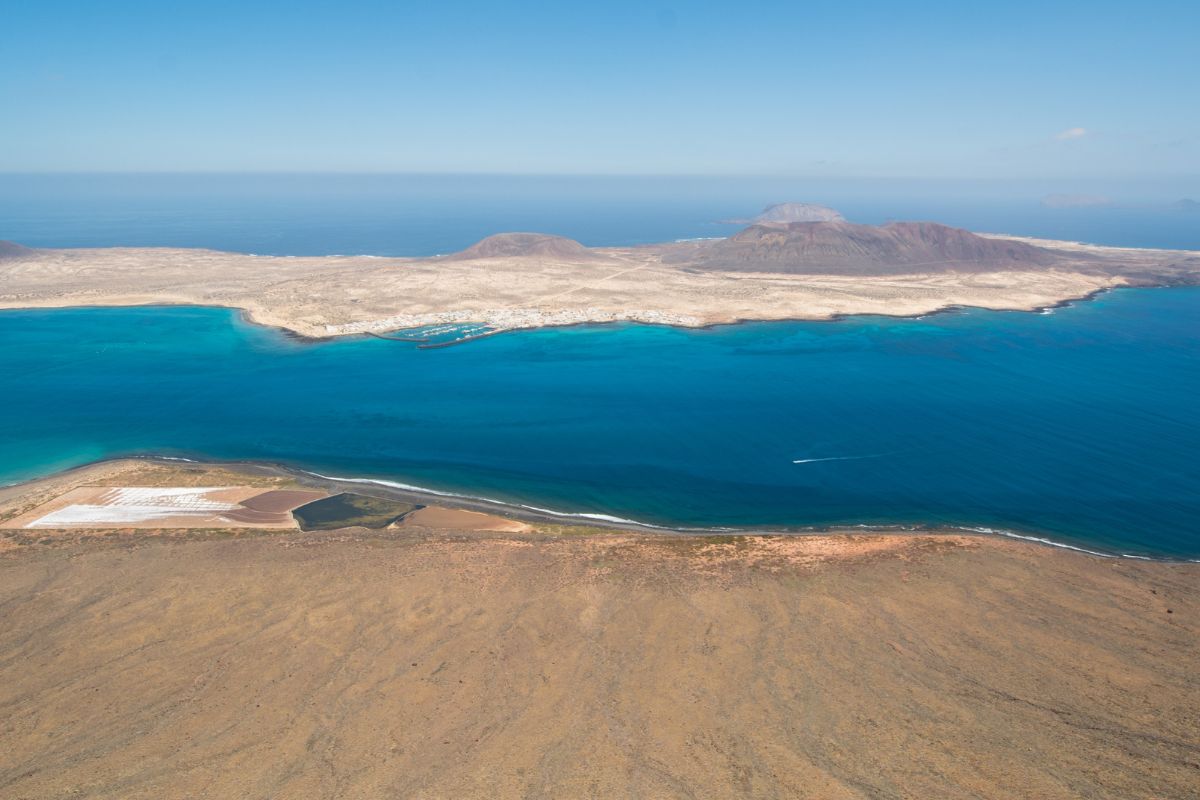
x: 571, y: 661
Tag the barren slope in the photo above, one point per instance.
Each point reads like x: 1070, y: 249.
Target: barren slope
x: 437, y: 665
x: 843, y: 248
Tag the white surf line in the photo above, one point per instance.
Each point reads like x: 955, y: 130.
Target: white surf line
x: 1025, y: 537
x: 737, y: 530
x: 1050, y: 542
x: 408, y: 487
x: 599, y: 517
x: 744, y: 531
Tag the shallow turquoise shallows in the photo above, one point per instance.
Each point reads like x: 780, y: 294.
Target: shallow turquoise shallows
x: 1079, y: 426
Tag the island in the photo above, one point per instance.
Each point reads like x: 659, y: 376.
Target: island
x: 774, y: 269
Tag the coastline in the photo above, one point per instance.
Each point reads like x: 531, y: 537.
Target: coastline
x: 323, y: 297
x: 419, y: 495
x: 586, y: 661
x: 246, y: 316
x: 552, y: 322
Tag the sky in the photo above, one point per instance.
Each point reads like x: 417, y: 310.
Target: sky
x: 920, y: 89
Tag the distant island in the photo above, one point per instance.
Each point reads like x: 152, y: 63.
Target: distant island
x: 785, y: 213
x: 783, y: 266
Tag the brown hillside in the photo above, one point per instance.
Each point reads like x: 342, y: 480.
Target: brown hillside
x: 846, y: 248
x: 537, y: 245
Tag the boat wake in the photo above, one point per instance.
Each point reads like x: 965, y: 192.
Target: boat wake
x: 835, y: 458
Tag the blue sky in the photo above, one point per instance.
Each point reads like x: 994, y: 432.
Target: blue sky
x: 934, y: 89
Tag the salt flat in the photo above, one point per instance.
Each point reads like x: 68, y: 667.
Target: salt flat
x: 159, y: 507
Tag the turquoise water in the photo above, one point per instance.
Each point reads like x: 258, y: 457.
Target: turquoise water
x: 1078, y: 425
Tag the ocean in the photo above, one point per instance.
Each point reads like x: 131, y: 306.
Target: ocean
x: 422, y: 215
x: 1078, y: 426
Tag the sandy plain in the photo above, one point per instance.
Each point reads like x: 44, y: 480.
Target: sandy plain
x: 441, y: 518
x: 567, y: 661
x: 341, y: 295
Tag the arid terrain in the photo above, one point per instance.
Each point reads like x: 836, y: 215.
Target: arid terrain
x: 552, y: 661
x: 770, y: 270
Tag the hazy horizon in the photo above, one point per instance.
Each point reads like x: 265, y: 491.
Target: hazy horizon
x: 427, y: 214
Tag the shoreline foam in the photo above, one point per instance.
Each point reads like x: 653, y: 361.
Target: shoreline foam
x: 463, y: 501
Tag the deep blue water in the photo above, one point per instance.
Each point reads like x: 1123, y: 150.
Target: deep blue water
x: 1079, y: 425
x: 412, y: 215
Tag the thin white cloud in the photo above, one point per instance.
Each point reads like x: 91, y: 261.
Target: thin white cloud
x: 1071, y: 133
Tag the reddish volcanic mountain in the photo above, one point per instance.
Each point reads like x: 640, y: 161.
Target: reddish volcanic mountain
x: 13, y: 250
x: 508, y: 245
x: 846, y: 248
